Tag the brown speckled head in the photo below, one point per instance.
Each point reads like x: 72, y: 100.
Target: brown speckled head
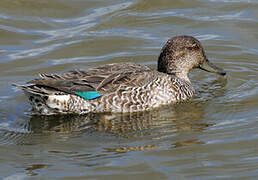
x: 181, y: 54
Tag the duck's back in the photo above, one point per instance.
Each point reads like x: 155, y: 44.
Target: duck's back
x: 103, y: 79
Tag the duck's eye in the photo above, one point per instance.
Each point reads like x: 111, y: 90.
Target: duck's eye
x: 193, y: 47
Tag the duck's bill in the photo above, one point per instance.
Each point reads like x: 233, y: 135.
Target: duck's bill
x: 208, y: 66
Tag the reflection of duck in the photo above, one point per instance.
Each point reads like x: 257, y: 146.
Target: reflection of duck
x: 149, y: 127
x: 124, y: 87
x: 169, y: 119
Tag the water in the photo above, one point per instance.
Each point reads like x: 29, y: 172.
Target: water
x: 213, y: 136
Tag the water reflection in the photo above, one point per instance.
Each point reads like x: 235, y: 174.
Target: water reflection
x: 163, y: 123
x: 159, y: 121
x: 34, y: 167
x: 154, y: 146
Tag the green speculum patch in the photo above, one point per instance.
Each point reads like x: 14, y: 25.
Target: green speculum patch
x: 88, y: 95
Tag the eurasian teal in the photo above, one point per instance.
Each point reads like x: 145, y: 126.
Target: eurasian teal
x: 122, y: 87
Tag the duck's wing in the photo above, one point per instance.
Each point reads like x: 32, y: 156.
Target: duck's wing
x: 103, y: 79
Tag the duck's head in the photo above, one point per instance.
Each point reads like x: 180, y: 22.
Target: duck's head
x: 181, y: 54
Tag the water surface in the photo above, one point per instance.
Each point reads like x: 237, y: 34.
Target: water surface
x: 213, y: 136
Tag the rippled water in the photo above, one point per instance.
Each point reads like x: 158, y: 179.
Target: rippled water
x: 215, y: 135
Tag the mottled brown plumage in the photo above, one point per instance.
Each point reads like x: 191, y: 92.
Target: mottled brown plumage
x: 124, y: 87
x: 104, y: 79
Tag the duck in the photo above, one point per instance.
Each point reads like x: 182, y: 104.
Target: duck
x: 122, y: 87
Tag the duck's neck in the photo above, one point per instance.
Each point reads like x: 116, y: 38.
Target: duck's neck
x: 173, y: 69
x: 178, y: 73
x: 183, y: 75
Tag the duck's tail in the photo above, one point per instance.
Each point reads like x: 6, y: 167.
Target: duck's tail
x: 40, y: 99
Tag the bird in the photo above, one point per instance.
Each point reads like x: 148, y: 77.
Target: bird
x: 122, y: 87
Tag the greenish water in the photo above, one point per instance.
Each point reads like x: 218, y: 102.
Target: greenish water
x: 213, y: 136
